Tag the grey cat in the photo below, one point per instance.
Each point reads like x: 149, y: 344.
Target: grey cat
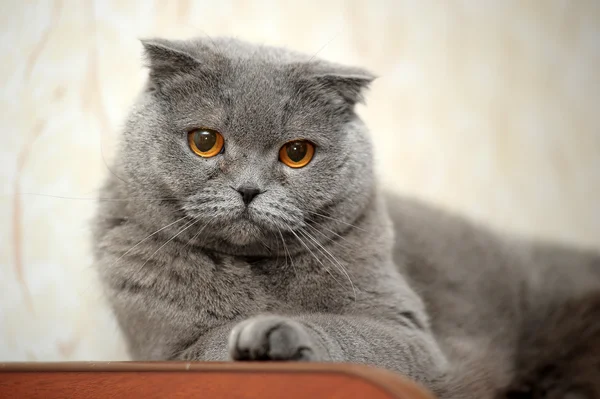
x: 246, y: 224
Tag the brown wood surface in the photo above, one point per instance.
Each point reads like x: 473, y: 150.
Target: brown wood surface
x: 202, y: 380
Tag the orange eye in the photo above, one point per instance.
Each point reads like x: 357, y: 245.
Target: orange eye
x: 205, y: 142
x: 297, y: 153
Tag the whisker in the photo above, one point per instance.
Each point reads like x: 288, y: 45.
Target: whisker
x: 323, y: 47
x: 264, y: 245
x: 212, y: 41
x: 163, y: 270
x: 329, y: 238
x: 199, y: 232
x: 187, y: 226
x: 338, y: 220
x: 101, y: 199
x: 278, y: 252
x: 333, y: 259
x: 151, y: 235
x: 316, y: 258
x: 287, y: 252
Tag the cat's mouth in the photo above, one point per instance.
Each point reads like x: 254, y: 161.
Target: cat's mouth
x: 254, y: 226
x: 241, y: 225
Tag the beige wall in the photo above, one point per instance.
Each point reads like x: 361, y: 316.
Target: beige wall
x: 488, y: 107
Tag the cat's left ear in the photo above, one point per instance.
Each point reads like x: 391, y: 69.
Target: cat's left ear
x: 349, y: 83
x: 343, y: 86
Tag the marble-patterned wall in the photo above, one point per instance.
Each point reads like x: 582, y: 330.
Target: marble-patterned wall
x: 488, y: 107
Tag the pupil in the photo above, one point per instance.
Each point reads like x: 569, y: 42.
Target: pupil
x: 296, y: 151
x: 205, y: 140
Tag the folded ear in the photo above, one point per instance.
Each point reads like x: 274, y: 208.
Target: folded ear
x: 342, y: 86
x: 348, y: 84
x: 169, y: 60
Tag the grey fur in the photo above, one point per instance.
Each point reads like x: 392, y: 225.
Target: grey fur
x: 309, y: 271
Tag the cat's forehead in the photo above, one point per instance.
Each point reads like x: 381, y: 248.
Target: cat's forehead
x: 255, y: 79
x: 262, y: 104
x: 254, y: 103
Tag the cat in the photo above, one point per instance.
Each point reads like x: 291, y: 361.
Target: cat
x: 559, y: 353
x: 243, y: 222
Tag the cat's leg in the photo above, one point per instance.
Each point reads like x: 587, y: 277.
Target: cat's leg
x: 405, y: 348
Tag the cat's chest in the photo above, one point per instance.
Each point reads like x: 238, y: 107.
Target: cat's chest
x: 255, y: 285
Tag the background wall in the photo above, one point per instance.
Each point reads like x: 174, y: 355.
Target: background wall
x: 489, y: 107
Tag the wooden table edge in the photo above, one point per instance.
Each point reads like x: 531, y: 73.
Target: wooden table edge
x: 394, y: 384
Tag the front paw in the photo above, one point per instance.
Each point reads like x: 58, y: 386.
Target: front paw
x: 272, y: 338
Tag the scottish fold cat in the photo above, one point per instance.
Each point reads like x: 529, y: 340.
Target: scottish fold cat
x: 251, y: 227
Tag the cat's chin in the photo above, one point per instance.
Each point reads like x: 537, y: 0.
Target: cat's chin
x: 244, y: 231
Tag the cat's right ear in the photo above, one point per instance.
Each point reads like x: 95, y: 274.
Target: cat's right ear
x: 169, y: 61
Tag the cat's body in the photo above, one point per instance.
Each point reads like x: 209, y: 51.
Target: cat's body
x: 558, y: 354
x: 482, y: 290
x: 309, y: 270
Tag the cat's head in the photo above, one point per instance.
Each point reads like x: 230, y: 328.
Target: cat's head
x: 254, y: 143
